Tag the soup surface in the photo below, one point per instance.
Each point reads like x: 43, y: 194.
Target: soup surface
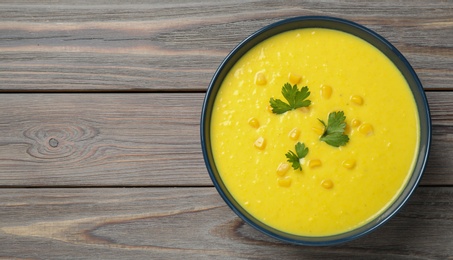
x: 339, y: 188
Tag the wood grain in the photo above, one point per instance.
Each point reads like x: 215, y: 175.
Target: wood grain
x: 136, y: 140
x: 170, y: 222
x: 172, y: 45
x: 100, y: 155
x: 101, y: 140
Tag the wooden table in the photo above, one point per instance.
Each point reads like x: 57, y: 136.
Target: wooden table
x: 100, y: 105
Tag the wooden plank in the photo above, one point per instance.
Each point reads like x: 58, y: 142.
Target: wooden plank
x: 101, y: 139
x: 136, y: 46
x: 136, y: 140
x: 194, y: 223
x: 440, y: 165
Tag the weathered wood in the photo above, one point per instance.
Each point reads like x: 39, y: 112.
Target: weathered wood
x: 136, y: 46
x: 168, y: 223
x: 78, y: 150
x: 101, y: 140
x: 440, y: 166
x: 136, y: 140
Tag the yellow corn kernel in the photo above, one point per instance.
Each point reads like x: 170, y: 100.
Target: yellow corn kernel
x: 318, y: 129
x: 326, y: 91
x: 314, y: 163
x: 327, y: 184
x: 253, y: 122
x: 260, y: 79
x: 260, y: 143
x: 366, y: 129
x: 285, y: 181
x: 355, y: 122
x: 294, y: 78
x: 349, y: 163
x: 357, y: 100
x: 294, y: 134
x: 282, y: 168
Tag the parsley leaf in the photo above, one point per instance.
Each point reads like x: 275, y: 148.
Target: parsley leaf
x: 296, y: 98
x: 294, y: 158
x: 334, y: 130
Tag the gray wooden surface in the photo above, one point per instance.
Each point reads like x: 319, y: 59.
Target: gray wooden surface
x: 100, y: 105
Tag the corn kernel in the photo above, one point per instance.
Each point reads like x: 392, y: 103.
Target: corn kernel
x: 294, y: 78
x: 327, y: 184
x: 253, y: 122
x: 260, y: 143
x: 282, y: 169
x: 366, y: 129
x: 326, y: 91
x: 355, y: 122
x: 294, y: 134
x: 284, y: 182
x: 349, y: 163
x: 357, y: 100
x: 318, y: 130
x: 314, y: 163
x: 260, y: 79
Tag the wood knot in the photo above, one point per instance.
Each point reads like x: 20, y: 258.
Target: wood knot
x: 60, y: 140
x: 53, y: 142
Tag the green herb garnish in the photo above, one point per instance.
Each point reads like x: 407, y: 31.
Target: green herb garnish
x: 294, y: 158
x: 334, y: 130
x: 296, y: 99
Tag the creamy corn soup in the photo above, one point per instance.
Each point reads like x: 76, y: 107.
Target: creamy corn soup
x: 339, y: 188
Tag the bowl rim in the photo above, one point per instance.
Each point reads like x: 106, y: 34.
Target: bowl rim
x: 372, y: 38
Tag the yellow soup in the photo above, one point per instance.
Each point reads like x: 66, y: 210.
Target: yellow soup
x: 338, y: 188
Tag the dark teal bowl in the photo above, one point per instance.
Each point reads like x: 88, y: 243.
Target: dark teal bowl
x: 329, y: 23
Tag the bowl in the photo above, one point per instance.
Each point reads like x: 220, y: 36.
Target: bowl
x: 383, y: 46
